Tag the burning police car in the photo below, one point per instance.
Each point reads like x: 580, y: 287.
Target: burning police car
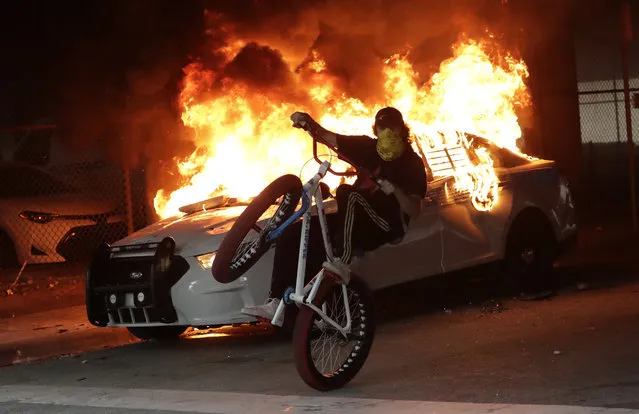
x: 157, y: 282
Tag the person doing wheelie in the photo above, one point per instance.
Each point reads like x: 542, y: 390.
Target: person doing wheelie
x: 370, y: 213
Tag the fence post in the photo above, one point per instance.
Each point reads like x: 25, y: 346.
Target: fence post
x: 614, y: 87
x: 626, y: 37
x: 128, y: 200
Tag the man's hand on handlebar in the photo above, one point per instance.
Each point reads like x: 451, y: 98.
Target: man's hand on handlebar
x: 301, y: 120
x: 308, y: 124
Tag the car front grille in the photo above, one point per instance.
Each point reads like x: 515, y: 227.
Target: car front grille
x: 123, y: 316
x: 128, y: 285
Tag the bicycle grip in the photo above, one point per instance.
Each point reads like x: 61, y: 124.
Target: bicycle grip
x: 302, y: 125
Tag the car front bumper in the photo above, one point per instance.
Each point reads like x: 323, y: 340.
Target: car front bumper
x: 185, y: 295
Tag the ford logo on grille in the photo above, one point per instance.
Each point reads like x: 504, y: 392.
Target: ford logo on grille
x: 136, y: 275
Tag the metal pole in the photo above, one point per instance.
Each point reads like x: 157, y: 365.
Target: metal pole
x: 128, y: 200
x: 614, y: 86
x: 626, y: 38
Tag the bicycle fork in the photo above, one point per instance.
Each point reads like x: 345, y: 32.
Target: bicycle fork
x: 310, y: 291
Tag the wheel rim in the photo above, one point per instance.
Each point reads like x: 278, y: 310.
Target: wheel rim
x: 256, y: 237
x: 330, y: 351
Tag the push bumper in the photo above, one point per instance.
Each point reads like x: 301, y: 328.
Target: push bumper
x: 132, y: 284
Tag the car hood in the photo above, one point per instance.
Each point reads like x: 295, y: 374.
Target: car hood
x: 201, y: 232
x: 61, y: 204
x: 194, y: 234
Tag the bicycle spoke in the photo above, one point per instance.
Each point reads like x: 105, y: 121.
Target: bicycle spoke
x: 331, y: 350
x: 252, y: 242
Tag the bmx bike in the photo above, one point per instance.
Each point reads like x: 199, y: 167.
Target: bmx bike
x: 335, y: 327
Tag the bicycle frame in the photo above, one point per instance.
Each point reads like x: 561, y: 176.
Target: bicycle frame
x: 303, y: 295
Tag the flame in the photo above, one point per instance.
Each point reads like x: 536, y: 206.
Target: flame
x: 245, y: 139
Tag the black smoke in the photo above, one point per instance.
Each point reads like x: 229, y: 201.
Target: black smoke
x: 352, y: 36
x: 110, y: 73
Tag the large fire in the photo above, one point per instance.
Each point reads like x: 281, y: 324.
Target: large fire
x: 245, y: 139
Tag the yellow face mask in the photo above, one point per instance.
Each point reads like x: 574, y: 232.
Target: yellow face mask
x: 390, y: 146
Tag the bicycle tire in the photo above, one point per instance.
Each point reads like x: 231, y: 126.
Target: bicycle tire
x: 303, y: 336
x: 227, y: 267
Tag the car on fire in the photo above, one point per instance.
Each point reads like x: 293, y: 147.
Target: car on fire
x: 530, y: 223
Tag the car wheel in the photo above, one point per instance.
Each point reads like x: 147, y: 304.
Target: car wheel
x: 158, y: 333
x: 530, y: 253
x: 8, y: 257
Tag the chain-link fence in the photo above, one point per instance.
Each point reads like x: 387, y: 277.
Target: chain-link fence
x: 56, y: 207
x: 599, y: 38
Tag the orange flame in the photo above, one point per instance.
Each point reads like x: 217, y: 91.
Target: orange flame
x: 245, y: 139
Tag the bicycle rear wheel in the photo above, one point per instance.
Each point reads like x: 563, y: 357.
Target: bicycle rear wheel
x: 239, y: 250
x: 324, y: 358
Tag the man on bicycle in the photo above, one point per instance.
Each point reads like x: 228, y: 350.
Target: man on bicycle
x: 371, y: 213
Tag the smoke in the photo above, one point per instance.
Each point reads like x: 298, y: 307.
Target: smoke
x: 352, y: 36
x: 119, y: 64
x: 259, y: 67
x: 118, y: 71
x: 121, y: 78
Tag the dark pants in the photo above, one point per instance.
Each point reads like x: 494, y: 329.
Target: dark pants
x: 363, y: 228
x: 356, y: 227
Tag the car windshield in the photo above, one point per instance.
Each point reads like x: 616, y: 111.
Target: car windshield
x: 30, y: 182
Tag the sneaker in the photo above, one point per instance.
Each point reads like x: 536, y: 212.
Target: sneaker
x: 340, y: 268
x: 265, y: 311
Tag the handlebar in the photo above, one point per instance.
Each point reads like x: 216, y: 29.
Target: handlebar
x: 305, y: 127
x: 313, y: 184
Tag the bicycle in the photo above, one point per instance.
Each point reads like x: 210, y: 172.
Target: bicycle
x: 333, y: 308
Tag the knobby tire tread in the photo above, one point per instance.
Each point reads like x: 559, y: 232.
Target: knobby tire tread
x: 287, y: 185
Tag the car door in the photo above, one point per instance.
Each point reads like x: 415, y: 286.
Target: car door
x: 418, y: 254
x: 465, y: 240
x: 471, y: 236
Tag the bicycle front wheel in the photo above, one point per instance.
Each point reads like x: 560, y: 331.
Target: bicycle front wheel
x: 324, y: 358
x: 245, y: 243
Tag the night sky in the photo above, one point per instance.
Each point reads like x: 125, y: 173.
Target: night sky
x: 108, y: 73
x: 57, y: 52
x: 54, y: 51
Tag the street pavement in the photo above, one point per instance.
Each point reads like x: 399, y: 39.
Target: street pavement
x: 574, y: 353
x: 458, y: 345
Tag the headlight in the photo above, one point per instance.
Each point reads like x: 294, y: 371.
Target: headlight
x: 37, y: 217
x: 206, y: 260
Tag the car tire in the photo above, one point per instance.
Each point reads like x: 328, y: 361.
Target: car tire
x: 530, y: 252
x: 158, y: 333
x: 8, y: 257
